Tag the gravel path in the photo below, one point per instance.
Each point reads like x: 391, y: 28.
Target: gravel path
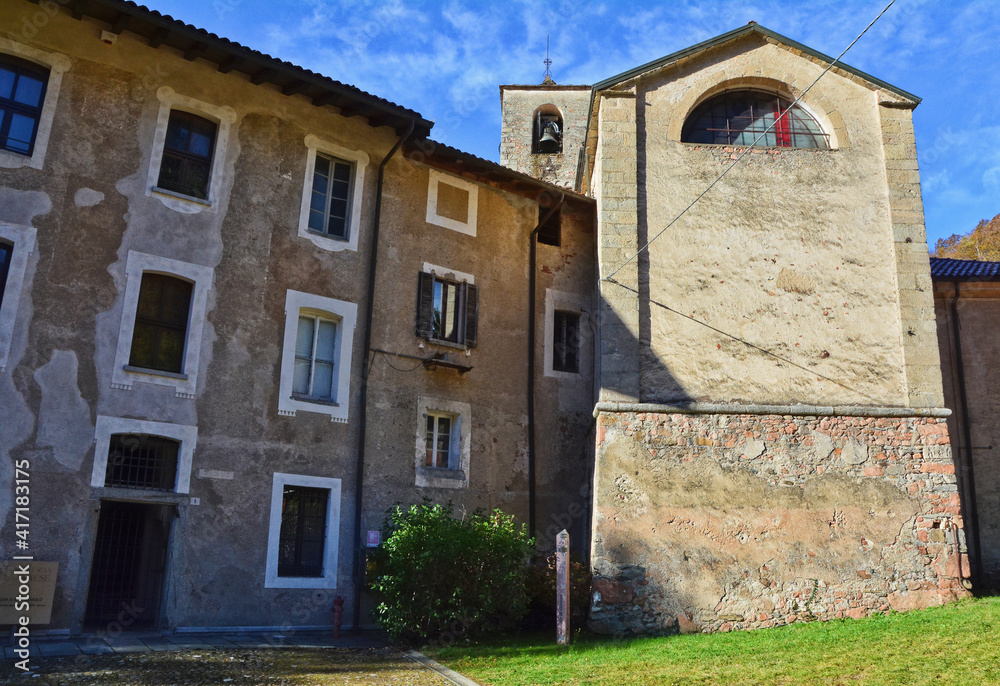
x: 238, y: 667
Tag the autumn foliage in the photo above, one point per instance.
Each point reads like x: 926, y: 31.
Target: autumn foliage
x: 982, y: 243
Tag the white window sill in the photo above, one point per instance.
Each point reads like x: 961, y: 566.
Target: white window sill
x: 155, y: 372
x: 181, y: 196
x: 327, y: 236
x: 318, y: 401
x: 442, y: 473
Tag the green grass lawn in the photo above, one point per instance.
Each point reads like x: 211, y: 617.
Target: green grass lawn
x: 953, y: 645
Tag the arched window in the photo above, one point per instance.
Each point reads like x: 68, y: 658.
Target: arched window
x: 739, y: 117
x: 547, y: 131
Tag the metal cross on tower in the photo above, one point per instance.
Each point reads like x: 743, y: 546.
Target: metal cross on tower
x: 548, y: 72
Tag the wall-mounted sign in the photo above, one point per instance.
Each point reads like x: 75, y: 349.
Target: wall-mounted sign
x: 374, y: 538
x: 40, y: 583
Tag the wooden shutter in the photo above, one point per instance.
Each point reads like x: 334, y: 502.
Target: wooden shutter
x: 471, y: 315
x: 425, y: 305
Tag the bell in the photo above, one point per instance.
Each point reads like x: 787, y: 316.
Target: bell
x: 549, y: 142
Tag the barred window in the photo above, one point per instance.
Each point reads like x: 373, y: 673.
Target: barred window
x: 139, y: 461
x: 302, y: 540
x: 739, y: 117
x: 566, y: 342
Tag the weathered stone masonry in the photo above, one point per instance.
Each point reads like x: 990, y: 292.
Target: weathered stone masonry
x: 743, y: 521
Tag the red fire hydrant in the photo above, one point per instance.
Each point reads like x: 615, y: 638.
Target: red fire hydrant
x: 338, y: 613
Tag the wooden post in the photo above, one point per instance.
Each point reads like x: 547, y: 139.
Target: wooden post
x: 562, y: 588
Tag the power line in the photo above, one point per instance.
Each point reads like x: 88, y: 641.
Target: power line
x: 745, y: 152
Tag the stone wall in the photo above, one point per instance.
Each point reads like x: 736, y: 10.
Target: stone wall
x: 738, y: 521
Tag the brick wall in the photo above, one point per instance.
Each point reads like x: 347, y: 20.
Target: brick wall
x: 720, y: 522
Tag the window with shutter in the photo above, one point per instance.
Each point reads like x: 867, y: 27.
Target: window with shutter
x: 315, y: 358
x: 447, y: 310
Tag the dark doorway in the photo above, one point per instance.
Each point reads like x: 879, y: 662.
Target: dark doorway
x: 130, y: 554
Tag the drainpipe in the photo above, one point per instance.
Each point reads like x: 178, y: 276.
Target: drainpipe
x: 360, y: 469
x: 972, y: 511
x: 532, y: 241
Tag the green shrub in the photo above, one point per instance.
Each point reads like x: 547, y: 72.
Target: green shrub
x: 542, y: 594
x: 442, y: 578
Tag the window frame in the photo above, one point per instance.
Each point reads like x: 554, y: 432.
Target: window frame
x: 345, y: 314
x: 22, y: 238
x: 57, y: 65
x: 468, y: 318
x: 185, y: 156
x: 556, y: 341
x: 319, y: 146
x: 224, y: 118
x: 107, y: 426
x: 331, y: 544
x: 572, y: 303
x: 24, y: 68
x: 468, y: 227
x: 456, y: 475
x: 159, y: 324
x: 123, y: 375
x: 782, y: 102
x: 317, y: 317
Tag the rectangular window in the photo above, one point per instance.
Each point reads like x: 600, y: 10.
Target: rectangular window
x: 301, y: 543
x: 566, y: 342
x: 330, y: 202
x: 186, y: 165
x: 22, y: 94
x: 315, y: 359
x: 6, y: 253
x: 138, y: 461
x: 440, y: 440
x: 550, y: 233
x: 161, y: 322
x: 448, y: 310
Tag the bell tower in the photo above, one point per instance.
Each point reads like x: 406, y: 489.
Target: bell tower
x: 544, y: 128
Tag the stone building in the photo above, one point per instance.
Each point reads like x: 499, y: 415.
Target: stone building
x: 247, y: 308
x: 966, y: 294
x: 771, y: 436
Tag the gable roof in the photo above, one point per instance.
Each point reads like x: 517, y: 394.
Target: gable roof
x: 749, y: 29
x: 945, y: 269
x: 228, y: 56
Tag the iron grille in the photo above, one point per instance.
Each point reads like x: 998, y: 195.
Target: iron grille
x: 139, y: 461
x: 303, y: 531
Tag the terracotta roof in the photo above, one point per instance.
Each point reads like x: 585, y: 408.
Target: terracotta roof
x: 943, y: 269
x: 195, y: 43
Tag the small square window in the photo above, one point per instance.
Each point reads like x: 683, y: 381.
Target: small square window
x: 550, y: 233
x: 441, y: 441
x: 448, y: 310
x: 566, y: 342
x: 329, y: 206
x: 161, y: 322
x: 139, y: 461
x: 22, y: 94
x: 302, y: 538
x: 186, y: 164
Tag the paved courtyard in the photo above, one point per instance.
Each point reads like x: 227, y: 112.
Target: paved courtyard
x: 159, y: 660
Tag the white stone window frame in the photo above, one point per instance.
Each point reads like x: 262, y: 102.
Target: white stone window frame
x: 106, y: 427
x: 330, y: 545
x: 224, y: 117
x: 23, y: 238
x: 124, y: 376
x: 346, y: 316
x: 457, y: 476
x: 436, y: 178
x: 57, y: 64
x: 567, y: 302
x: 359, y: 159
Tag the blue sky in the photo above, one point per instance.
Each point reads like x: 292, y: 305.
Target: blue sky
x: 447, y: 59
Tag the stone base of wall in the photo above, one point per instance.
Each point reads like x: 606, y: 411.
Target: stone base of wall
x: 707, y: 522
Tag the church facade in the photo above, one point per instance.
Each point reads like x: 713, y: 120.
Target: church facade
x: 245, y: 308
